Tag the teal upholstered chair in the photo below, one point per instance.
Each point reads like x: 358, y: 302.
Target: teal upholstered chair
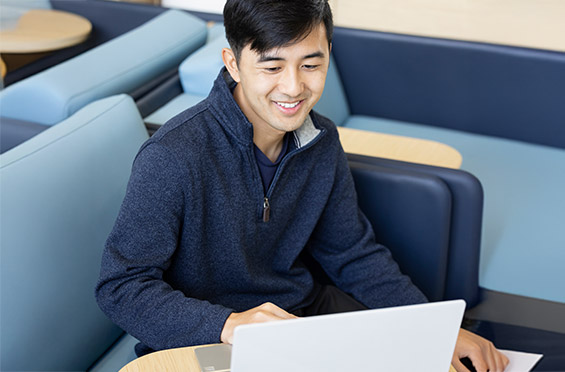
x: 60, y: 194
x: 118, y: 66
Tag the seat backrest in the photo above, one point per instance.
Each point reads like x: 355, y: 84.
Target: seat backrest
x: 118, y: 66
x: 397, y: 225
x: 198, y: 72
x: 495, y: 90
x: 410, y: 213
x: 61, y: 192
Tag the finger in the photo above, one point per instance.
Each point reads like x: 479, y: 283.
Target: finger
x: 277, y: 311
x: 500, y: 359
x: 455, y: 362
x: 478, y: 361
x: 505, y: 361
x: 494, y: 358
x: 490, y: 358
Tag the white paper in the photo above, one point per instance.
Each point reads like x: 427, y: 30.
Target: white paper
x: 520, y: 361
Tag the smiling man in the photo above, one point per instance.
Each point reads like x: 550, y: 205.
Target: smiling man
x: 230, y: 199
x: 278, y: 88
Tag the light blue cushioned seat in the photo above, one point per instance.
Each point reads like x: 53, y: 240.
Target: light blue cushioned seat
x: 173, y: 107
x: 215, y: 31
x: 61, y: 192
x: 198, y: 72
x: 523, y: 245
x: 117, y: 66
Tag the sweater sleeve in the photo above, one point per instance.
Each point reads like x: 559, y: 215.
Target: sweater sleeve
x: 344, y: 244
x: 131, y: 289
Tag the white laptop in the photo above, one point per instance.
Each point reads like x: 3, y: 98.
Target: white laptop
x: 407, y: 338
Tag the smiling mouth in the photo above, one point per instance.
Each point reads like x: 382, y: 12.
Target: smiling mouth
x: 288, y: 105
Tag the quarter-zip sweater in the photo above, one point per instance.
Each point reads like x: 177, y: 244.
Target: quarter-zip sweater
x: 191, y: 243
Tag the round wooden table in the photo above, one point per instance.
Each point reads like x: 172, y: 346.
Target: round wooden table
x: 42, y: 30
x: 413, y: 150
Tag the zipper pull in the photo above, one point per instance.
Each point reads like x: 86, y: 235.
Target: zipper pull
x: 266, y: 210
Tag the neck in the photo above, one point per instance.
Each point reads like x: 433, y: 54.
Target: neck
x: 270, y: 143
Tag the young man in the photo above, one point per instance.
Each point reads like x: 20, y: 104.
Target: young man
x: 227, y: 200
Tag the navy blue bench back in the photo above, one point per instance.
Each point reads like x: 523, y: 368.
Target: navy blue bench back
x: 501, y: 91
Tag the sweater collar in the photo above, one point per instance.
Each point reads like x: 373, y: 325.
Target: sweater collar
x: 234, y: 120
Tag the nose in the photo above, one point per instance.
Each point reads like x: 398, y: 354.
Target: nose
x: 290, y: 83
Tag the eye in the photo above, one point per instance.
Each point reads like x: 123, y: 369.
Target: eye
x: 272, y: 69
x: 311, y: 67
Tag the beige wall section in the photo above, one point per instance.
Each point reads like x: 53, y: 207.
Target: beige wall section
x: 527, y: 23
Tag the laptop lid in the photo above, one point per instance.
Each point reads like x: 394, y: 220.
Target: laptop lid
x: 407, y: 338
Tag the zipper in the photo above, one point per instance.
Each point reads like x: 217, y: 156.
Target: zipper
x: 266, y: 203
x: 266, y: 210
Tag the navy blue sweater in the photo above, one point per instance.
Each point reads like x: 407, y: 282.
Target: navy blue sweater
x: 190, y: 244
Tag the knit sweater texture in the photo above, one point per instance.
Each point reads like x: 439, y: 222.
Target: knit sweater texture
x: 190, y: 244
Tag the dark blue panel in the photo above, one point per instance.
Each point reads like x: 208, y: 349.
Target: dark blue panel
x: 502, y: 91
x: 465, y: 226
x: 410, y: 214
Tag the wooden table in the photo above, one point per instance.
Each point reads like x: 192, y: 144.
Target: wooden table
x: 172, y: 360
x: 2, y: 67
x: 41, y: 30
x: 414, y: 150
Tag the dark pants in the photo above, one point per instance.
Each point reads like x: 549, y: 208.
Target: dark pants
x: 330, y: 300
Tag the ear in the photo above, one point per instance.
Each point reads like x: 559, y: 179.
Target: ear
x: 231, y: 63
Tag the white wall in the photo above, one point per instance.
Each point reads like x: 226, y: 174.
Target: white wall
x: 207, y: 6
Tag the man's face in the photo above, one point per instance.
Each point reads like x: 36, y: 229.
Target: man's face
x: 277, y: 89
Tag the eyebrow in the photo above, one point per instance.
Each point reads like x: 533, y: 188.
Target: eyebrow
x: 270, y: 58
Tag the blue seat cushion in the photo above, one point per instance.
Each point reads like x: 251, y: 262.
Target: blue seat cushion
x: 173, y: 108
x: 118, y: 66
x: 120, y: 354
x: 523, y: 243
x: 199, y: 70
x: 61, y: 192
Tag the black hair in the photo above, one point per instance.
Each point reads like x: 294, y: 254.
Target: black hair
x: 268, y: 24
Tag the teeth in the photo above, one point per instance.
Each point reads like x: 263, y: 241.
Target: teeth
x: 288, y: 105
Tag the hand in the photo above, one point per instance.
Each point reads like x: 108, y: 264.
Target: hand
x: 260, y: 314
x: 480, y: 351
